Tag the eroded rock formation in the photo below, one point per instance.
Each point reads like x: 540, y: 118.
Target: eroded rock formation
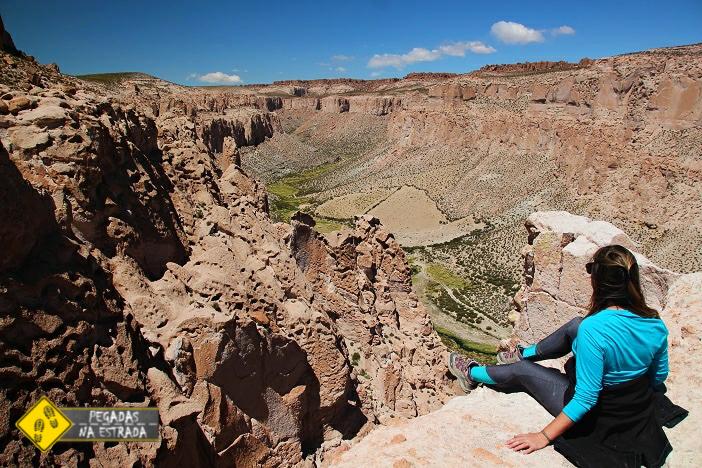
x: 142, y: 268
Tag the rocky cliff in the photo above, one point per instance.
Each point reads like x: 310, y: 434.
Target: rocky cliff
x: 142, y: 269
x: 471, y: 430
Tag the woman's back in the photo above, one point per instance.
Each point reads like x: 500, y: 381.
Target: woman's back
x: 630, y: 345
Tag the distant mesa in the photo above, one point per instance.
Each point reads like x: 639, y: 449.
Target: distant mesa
x: 532, y: 67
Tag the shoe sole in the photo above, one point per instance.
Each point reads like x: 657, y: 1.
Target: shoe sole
x: 462, y: 382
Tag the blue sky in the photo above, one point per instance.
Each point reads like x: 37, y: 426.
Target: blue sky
x: 257, y: 42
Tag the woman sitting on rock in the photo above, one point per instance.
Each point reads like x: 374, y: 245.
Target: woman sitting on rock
x: 604, y: 403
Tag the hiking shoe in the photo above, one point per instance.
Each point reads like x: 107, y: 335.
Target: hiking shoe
x: 510, y: 356
x: 460, y: 368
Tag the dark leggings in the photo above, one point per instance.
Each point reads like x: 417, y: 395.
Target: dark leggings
x: 546, y: 385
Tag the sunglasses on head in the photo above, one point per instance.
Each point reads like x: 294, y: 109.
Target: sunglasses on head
x: 588, y: 267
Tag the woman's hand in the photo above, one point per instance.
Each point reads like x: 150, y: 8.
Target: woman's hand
x: 528, y: 442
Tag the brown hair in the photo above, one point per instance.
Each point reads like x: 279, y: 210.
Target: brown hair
x: 614, y: 274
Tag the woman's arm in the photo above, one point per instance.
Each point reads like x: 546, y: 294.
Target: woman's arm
x: 659, y: 366
x: 537, y: 440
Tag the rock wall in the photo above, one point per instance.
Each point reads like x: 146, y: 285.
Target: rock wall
x: 380, y: 105
x: 471, y: 430
x: 187, y: 102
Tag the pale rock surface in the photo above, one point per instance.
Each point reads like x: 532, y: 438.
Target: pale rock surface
x: 468, y: 431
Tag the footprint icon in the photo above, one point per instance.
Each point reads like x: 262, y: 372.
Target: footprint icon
x: 38, y: 429
x: 51, y: 416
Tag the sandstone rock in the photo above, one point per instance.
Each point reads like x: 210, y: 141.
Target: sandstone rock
x: 539, y: 93
x: 17, y: 104
x: 29, y: 138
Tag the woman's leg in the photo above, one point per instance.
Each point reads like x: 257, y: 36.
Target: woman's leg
x: 544, y: 384
x: 558, y: 343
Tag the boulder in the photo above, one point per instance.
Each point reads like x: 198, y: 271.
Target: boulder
x: 17, y: 104
x: 48, y: 116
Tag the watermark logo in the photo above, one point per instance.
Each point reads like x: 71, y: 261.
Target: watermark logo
x: 44, y: 424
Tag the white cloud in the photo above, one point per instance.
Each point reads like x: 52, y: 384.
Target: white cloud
x: 515, y: 33
x: 459, y: 49
x: 342, y: 58
x: 563, y: 31
x: 376, y: 74
x: 340, y: 69
x: 420, y: 54
x: 219, y: 77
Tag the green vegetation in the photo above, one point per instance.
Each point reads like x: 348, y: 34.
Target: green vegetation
x: 415, y: 269
x: 451, y: 292
x: 355, y: 359
x: 481, y: 352
x: 445, y: 276
x: 290, y: 194
x: 489, y: 279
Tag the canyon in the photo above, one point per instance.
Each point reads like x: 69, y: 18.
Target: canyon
x: 282, y: 268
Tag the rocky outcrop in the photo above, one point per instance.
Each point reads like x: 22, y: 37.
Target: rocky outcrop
x: 557, y: 287
x: 363, y: 282
x: 453, y: 91
x: 472, y: 429
x: 531, y: 67
x: 30, y: 212
x: 302, y: 103
x: 189, y: 103
x: 467, y: 431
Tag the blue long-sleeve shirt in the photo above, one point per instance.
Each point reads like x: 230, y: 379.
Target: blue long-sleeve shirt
x: 615, y: 346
